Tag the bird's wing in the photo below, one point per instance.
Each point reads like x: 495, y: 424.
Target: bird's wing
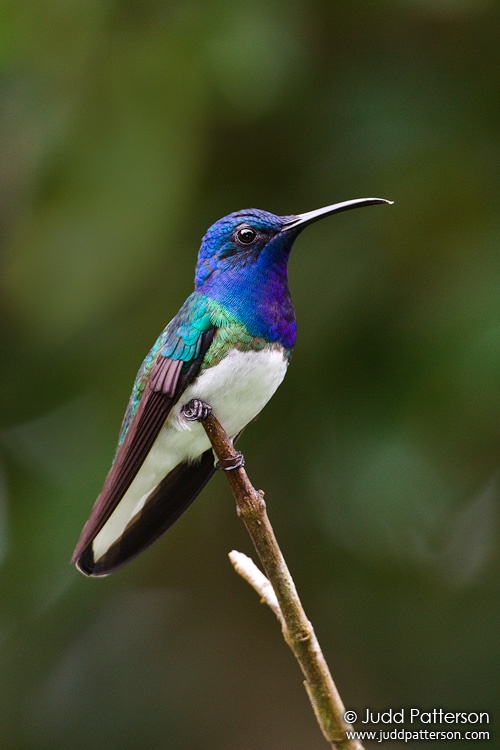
x: 168, y: 369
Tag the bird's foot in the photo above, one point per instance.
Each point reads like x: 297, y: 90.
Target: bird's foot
x: 196, y: 410
x: 234, y: 462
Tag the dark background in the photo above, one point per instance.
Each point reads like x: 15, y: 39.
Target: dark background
x: 126, y: 129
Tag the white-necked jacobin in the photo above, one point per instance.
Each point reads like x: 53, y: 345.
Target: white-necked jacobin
x: 229, y: 346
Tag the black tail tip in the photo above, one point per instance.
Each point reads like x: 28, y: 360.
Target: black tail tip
x: 88, y: 566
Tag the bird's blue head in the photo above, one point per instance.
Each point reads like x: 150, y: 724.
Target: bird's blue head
x: 242, y: 263
x: 239, y: 241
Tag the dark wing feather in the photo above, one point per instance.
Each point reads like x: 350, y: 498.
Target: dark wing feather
x: 169, y: 500
x: 165, y: 385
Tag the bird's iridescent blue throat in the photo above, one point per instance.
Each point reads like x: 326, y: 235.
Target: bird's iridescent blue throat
x: 229, y: 346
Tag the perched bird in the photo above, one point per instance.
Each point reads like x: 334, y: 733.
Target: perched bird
x: 229, y: 346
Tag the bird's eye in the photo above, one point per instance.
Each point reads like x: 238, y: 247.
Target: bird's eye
x: 246, y: 235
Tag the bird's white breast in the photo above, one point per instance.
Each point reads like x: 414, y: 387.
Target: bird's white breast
x: 237, y: 389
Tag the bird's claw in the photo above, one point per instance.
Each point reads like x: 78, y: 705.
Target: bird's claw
x: 196, y: 410
x: 234, y: 462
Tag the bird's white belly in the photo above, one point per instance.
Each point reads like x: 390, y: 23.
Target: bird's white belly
x: 237, y: 389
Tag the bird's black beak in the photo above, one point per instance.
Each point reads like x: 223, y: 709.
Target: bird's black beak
x: 302, y: 220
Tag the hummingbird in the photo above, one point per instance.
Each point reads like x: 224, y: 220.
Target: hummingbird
x: 228, y: 346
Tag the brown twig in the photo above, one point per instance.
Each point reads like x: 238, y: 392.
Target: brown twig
x: 297, y: 630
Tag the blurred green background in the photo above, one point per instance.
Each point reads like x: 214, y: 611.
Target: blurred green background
x: 128, y: 127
